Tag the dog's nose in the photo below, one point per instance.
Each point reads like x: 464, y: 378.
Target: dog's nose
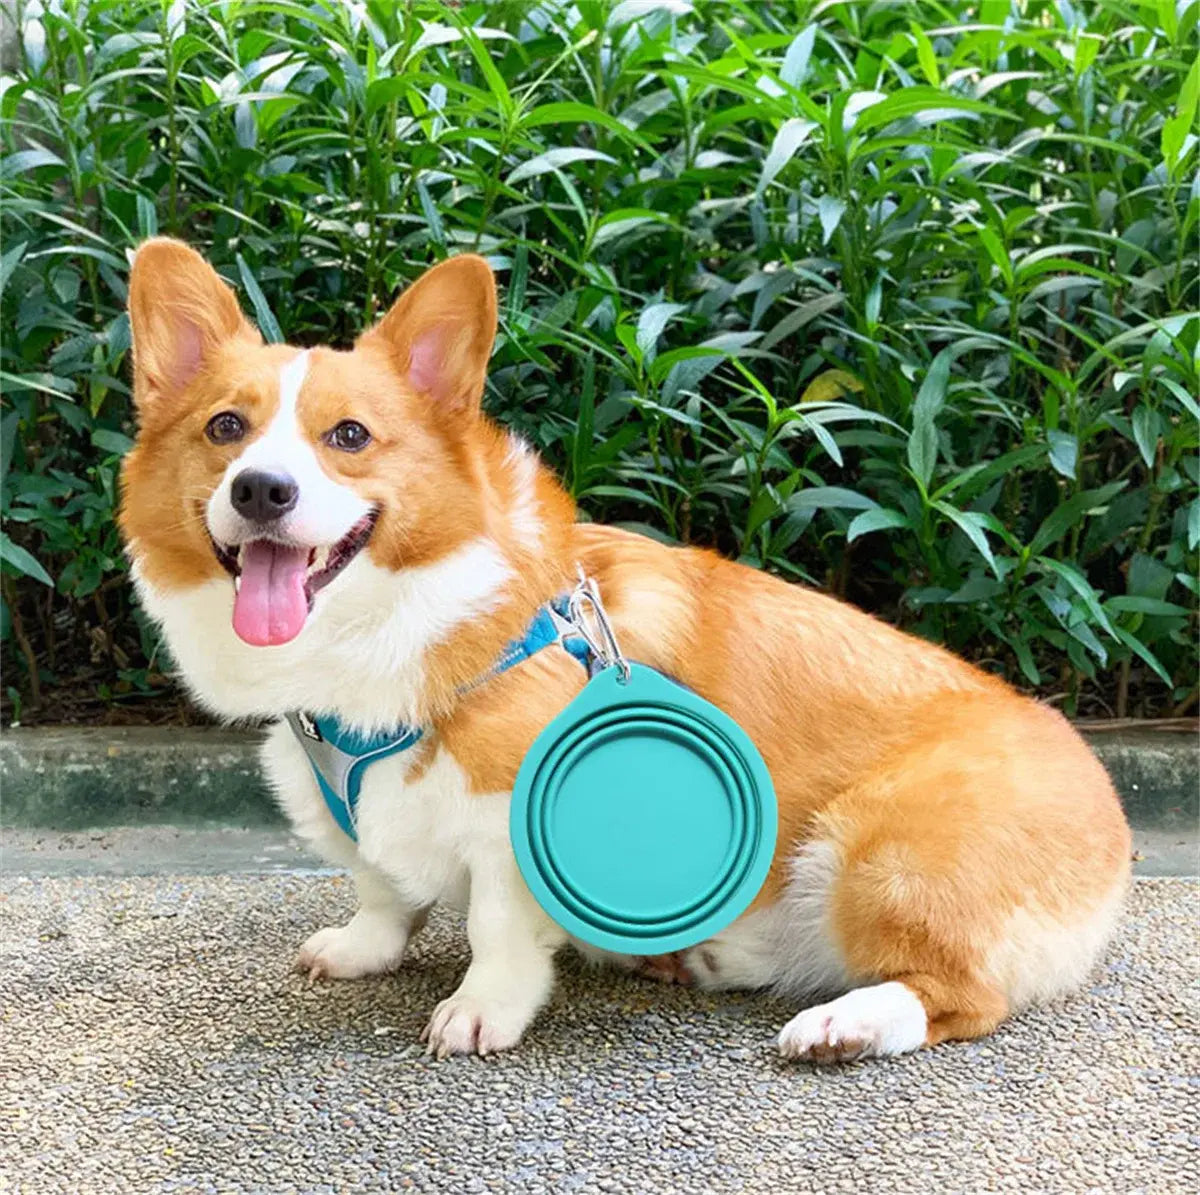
x: 261, y: 496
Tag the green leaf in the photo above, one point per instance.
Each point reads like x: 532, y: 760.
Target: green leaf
x: 799, y: 316
x: 483, y: 59
x: 623, y: 220
x: 1139, y: 649
x: 147, y: 217
x: 1146, y: 431
x: 926, y: 57
x: 1189, y: 93
x: 1188, y: 403
x: 1086, y: 47
x: 1147, y: 577
x: 1071, y: 512
x: 875, y: 520
x: 792, y: 134
x: 978, y: 587
x: 433, y: 218
x: 435, y: 34
x: 764, y: 506
x: 926, y: 105
x: 555, y: 159
x: 111, y: 441
x: 922, y: 442
x: 10, y: 260
x: 795, y: 61
x: 830, y: 497
x: 1175, y: 131
x: 268, y: 325
x: 975, y: 478
x: 1025, y: 660
x: 25, y: 160
x: 651, y: 323
x: 1080, y: 584
x: 24, y: 562
x: 991, y: 241
x: 1083, y: 633
x: 830, y: 210
x: 47, y: 383
x: 383, y: 91
x: 1064, y: 453
x: 571, y: 112
x: 1128, y: 603
x: 971, y: 523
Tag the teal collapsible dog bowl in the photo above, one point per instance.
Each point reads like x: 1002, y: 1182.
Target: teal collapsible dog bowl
x: 643, y: 818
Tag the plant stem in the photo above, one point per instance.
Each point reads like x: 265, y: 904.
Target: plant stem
x: 18, y: 629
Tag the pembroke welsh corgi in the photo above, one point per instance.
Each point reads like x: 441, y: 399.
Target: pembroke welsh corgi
x: 346, y: 534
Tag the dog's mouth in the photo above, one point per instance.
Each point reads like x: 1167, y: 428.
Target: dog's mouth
x: 275, y: 582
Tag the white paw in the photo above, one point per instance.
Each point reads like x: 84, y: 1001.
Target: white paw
x: 365, y: 945
x: 466, y: 1024
x: 885, y: 1019
x: 736, y: 961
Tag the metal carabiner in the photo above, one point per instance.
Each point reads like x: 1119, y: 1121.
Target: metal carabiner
x: 590, y: 620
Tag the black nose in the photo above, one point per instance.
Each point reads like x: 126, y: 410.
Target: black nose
x: 262, y: 496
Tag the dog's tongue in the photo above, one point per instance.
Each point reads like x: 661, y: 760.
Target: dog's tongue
x: 270, y: 606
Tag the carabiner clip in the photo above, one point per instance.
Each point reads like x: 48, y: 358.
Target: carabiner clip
x: 590, y: 619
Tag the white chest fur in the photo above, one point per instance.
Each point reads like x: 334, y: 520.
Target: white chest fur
x: 361, y: 657
x: 418, y: 826
x: 361, y: 654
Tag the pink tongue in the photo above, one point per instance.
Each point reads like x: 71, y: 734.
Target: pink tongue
x: 270, y: 606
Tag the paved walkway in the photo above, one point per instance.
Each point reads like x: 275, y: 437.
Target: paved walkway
x: 153, y: 1039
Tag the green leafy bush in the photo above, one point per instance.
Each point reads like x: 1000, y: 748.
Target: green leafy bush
x: 899, y: 299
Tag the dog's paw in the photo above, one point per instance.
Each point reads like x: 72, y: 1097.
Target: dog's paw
x: 733, y: 961
x: 885, y: 1019
x: 369, y: 946
x: 666, y: 968
x: 466, y: 1024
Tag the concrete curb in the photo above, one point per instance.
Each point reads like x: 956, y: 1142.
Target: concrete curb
x: 71, y: 778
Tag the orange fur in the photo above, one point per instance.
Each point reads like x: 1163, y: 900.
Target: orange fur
x: 954, y: 802
x: 961, y: 813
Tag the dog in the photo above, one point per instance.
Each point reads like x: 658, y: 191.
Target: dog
x: 345, y: 534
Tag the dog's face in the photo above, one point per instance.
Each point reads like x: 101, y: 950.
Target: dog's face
x: 287, y: 473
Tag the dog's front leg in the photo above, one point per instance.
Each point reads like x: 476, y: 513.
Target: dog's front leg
x: 372, y: 941
x: 375, y: 938
x: 512, y: 964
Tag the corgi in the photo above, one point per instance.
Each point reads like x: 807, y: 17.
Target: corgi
x: 345, y: 533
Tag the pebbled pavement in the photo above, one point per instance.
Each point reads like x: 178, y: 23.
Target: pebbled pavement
x: 153, y: 1039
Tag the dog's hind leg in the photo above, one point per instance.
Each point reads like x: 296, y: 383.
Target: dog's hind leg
x: 978, y: 870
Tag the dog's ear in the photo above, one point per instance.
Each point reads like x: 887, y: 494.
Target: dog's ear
x: 179, y: 311
x: 440, y: 331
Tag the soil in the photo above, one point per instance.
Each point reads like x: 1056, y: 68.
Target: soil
x: 67, y: 705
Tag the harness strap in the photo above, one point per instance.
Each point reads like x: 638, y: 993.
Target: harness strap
x: 339, y: 756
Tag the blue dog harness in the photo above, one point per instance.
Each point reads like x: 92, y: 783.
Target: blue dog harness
x: 340, y: 756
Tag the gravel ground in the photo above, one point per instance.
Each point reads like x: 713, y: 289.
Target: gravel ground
x: 153, y: 1039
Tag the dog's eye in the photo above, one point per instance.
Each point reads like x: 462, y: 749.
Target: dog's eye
x: 227, y: 427
x: 348, y: 436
